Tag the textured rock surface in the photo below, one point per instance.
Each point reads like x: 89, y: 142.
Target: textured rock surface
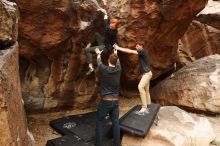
x: 210, y: 19
x: 51, y: 40
x: 196, y: 86
x: 175, y: 128
x: 203, y: 35
x: 159, y: 24
x: 13, y: 130
x: 52, y: 35
x: 199, y: 41
x: 8, y: 23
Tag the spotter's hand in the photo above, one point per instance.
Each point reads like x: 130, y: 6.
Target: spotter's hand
x: 115, y: 46
x: 116, y: 51
x: 97, y: 51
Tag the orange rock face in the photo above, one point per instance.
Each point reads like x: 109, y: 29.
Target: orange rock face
x: 200, y: 40
x: 53, y: 33
x: 12, y: 116
x: 52, y: 36
x: 160, y: 24
x: 8, y: 23
x: 202, y: 37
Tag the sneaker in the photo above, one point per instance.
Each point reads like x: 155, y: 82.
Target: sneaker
x: 90, y: 71
x: 142, y: 112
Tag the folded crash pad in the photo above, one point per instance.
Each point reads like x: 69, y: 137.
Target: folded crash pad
x: 138, y: 124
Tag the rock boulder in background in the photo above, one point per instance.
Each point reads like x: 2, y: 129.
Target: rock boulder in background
x: 52, y: 36
x: 159, y: 24
x: 202, y: 37
x: 175, y: 128
x: 196, y: 86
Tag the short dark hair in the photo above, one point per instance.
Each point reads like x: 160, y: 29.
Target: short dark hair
x: 113, y: 58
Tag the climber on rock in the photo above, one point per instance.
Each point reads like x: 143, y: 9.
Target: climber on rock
x: 104, y: 43
x: 144, y: 83
x: 109, y: 100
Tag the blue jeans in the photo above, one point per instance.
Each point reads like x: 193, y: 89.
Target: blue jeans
x: 111, y: 108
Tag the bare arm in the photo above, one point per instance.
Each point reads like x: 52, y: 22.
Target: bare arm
x: 106, y: 20
x: 126, y: 50
x: 118, y: 61
x: 99, y: 61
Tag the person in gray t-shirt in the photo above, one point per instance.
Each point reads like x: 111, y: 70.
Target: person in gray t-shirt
x: 109, y: 104
x: 146, y: 74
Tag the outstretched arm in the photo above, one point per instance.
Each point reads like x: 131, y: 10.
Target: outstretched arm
x: 118, y: 61
x: 106, y: 20
x: 99, y: 60
x: 104, y: 11
x: 126, y: 50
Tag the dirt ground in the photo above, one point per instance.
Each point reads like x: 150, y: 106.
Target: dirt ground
x: 39, y: 123
x: 39, y: 126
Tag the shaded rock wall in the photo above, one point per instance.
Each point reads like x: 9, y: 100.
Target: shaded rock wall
x: 12, y: 116
x: 196, y: 86
x: 53, y: 33
x: 210, y: 19
x: 199, y: 41
x: 202, y: 37
x: 52, y: 38
x: 159, y: 24
x: 13, y: 128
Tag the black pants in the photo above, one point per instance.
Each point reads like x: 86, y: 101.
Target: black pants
x: 111, y: 108
x: 99, y: 39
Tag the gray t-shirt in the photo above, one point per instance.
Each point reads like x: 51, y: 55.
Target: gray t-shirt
x: 110, y: 79
x: 143, y: 61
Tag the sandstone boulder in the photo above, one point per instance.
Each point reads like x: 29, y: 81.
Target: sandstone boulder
x: 8, y: 23
x: 13, y: 128
x: 53, y: 34
x: 175, y: 128
x: 210, y: 19
x: 196, y: 86
x: 159, y: 24
x: 202, y: 36
x: 199, y: 41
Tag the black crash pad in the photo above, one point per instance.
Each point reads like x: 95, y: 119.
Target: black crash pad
x: 82, y: 125
x: 66, y: 140
x: 136, y: 124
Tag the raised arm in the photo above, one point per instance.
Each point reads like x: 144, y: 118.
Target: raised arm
x: 106, y: 20
x: 99, y: 60
x: 126, y: 50
x: 100, y: 65
x: 118, y: 61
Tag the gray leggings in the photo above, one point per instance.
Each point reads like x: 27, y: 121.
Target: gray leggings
x: 99, y: 40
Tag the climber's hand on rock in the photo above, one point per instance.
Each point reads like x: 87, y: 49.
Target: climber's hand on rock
x: 103, y: 11
x: 97, y: 51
